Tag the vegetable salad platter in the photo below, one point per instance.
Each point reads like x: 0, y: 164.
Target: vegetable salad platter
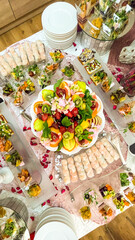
x: 67, y: 116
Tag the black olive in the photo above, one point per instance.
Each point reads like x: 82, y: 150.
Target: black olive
x: 87, y: 196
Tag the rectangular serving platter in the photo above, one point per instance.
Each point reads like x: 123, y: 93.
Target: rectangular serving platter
x: 31, y: 163
x: 119, y: 121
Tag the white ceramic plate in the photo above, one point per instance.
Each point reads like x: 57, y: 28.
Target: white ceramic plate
x: 77, y: 149
x: 60, y: 37
x: 59, y: 18
x: 55, y: 230
x: 56, y: 218
x: 64, y: 44
x: 61, y: 41
x: 53, y: 210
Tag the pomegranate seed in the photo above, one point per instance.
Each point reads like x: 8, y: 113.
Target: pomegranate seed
x: 46, y: 166
x: 47, y: 151
x: 74, y: 44
x: 20, y: 192
x: 118, y: 69
x: 67, y: 188
x: 48, y: 201
x: 13, y: 190
x: 120, y: 76
x: 29, y: 128
x: 114, y: 107
x: 18, y: 188
x: 118, y: 79
x: 44, y: 160
x: 32, y: 218
x: 43, y: 204
x: 51, y: 177
x: 32, y: 143
x: 63, y: 190
x: 24, y: 129
x: 33, y: 138
x: 113, y: 73
x: 46, y: 155
x: 56, y: 188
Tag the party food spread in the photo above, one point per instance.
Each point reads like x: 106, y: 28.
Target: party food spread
x: 67, y: 116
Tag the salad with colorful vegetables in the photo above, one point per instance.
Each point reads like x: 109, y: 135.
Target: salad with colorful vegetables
x: 33, y: 70
x: 68, y: 70
x: 63, y: 117
x: 18, y: 73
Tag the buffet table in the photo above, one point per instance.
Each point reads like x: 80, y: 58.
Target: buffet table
x: 63, y: 194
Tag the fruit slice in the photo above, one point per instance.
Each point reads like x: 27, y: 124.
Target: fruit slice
x: 64, y: 85
x: 50, y: 121
x: 98, y: 102
x: 38, y: 125
x: 56, y: 137
x: 85, y: 124
x: 47, y: 95
x: 67, y: 135
x: 79, y: 86
x: 78, y: 130
x: 69, y: 145
x: 38, y: 107
x: 77, y: 100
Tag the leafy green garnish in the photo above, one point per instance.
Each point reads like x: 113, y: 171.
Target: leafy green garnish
x: 60, y: 146
x: 9, y: 228
x: 34, y: 68
x: 125, y: 130
x: 85, y: 115
x: 57, y: 84
x: 124, y: 179
x: 66, y: 122
x: 85, y: 135
x: 46, y: 130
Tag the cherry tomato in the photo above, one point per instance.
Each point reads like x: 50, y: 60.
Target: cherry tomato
x: 44, y: 116
x: 75, y: 112
x: 62, y: 129
x: 54, y: 137
x: 69, y: 114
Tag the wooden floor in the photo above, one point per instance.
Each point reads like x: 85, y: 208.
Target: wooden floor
x: 123, y: 226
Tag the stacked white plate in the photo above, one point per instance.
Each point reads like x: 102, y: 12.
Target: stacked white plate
x: 55, y: 223
x: 59, y: 21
